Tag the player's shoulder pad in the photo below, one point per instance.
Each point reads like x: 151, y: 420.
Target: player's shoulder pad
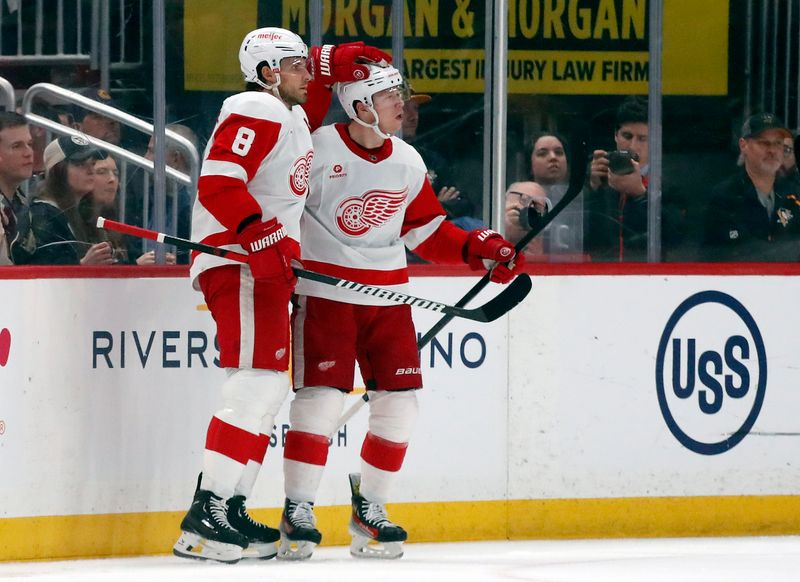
x: 407, y: 152
x: 257, y: 104
x: 325, y: 136
x: 325, y: 131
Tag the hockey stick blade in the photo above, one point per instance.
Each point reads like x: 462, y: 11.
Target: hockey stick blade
x: 495, y: 308
x: 511, y: 296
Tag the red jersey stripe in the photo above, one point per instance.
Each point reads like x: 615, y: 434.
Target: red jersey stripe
x: 374, y: 155
x: 245, y: 141
x: 445, y: 246
x: 227, y: 199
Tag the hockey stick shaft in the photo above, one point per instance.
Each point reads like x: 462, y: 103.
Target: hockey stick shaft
x: 490, y: 311
x: 166, y: 239
x: 577, y: 178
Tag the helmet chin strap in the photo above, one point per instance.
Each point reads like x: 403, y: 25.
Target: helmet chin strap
x: 374, y: 125
x: 273, y: 88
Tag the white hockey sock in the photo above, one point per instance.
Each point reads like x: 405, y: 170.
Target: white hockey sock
x: 376, y: 484
x: 301, y: 480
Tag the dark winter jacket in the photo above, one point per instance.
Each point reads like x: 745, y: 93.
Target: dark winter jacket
x: 737, y: 227
x: 612, y: 219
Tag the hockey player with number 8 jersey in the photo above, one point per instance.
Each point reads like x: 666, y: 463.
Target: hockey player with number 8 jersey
x: 251, y: 192
x: 369, y: 199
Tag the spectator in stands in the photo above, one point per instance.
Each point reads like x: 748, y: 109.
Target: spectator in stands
x: 40, y: 137
x: 96, y: 124
x: 179, y: 196
x: 526, y: 204
x: 103, y: 201
x: 549, y: 167
x: 751, y: 215
x: 788, y: 170
x: 460, y: 208
x: 16, y: 166
x: 59, y: 234
x: 616, y: 195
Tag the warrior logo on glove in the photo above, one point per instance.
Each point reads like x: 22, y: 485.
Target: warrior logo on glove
x: 267, y: 241
x: 345, y: 62
x: 484, y: 246
x: 505, y: 252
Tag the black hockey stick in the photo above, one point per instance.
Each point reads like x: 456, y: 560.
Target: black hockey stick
x: 576, y: 183
x: 493, y: 309
x: 508, y: 298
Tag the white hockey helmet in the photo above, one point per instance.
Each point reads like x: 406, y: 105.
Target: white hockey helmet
x: 380, y: 79
x: 269, y: 45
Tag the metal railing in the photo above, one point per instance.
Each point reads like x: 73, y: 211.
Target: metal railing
x: 49, y: 93
x: 7, y: 98
x: 772, y: 82
x: 69, y: 32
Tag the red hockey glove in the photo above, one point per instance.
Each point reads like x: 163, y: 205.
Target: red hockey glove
x: 338, y: 63
x: 271, y: 251
x: 486, y: 244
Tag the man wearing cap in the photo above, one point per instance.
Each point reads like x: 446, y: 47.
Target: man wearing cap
x: 54, y: 232
x: 459, y: 208
x: 96, y: 124
x: 751, y: 216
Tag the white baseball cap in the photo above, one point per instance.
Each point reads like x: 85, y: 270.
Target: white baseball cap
x: 74, y: 148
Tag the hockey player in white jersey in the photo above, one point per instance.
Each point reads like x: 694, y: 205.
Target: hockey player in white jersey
x: 251, y: 192
x: 369, y: 199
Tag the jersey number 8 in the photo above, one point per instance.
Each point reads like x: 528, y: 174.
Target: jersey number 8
x: 244, y: 140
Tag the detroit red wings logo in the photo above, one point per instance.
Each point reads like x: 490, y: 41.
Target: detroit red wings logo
x: 298, y: 178
x: 356, y: 215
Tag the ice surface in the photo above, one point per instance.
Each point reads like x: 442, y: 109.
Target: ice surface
x: 768, y: 559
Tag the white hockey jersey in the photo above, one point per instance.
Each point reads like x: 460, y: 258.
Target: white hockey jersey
x: 257, y: 162
x: 363, y: 208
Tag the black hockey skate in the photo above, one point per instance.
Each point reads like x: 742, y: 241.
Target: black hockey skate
x: 206, y: 533
x: 374, y: 536
x: 299, y: 533
x: 263, y: 540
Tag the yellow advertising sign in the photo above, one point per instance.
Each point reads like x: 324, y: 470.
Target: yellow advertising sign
x: 212, y: 33
x: 557, y: 47
x: 543, y: 72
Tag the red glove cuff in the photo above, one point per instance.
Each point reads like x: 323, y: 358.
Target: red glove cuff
x: 341, y: 63
x: 486, y: 245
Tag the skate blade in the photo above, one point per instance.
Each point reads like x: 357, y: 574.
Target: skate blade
x: 295, y: 550
x: 260, y: 551
x: 367, y: 548
x: 195, y: 547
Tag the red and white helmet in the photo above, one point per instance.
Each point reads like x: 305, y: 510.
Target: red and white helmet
x: 380, y: 79
x: 270, y: 45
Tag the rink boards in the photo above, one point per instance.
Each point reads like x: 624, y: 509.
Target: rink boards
x: 661, y: 404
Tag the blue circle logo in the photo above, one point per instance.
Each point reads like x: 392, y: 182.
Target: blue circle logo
x: 711, y: 372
